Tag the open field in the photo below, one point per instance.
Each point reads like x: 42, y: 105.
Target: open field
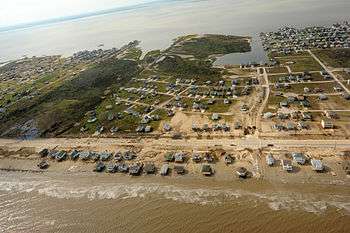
x: 277, y: 70
x: 337, y: 58
x: 300, y: 64
x: 298, y: 88
x: 206, y: 45
x: 282, y: 78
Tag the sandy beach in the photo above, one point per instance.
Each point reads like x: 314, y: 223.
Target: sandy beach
x: 69, y: 192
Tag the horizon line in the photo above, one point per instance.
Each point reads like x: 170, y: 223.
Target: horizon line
x: 79, y: 16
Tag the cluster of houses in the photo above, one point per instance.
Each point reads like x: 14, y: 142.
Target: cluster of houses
x: 124, y: 162
x: 289, y: 39
x: 298, y: 158
x: 207, y: 128
x: 25, y: 69
x: 303, y: 77
x: 299, y: 120
x: 98, y: 54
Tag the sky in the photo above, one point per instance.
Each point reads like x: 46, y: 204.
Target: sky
x: 14, y: 12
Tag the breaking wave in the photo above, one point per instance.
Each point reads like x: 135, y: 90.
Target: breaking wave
x: 276, y: 200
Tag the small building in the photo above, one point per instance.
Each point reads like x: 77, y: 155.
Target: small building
x: 179, y: 157
x: 208, y: 158
x: 196, y: 158
x: 299, y: 158
x: 207, y: 170
x: 111, y: 168
x: 228, y: 159
x: 122, y: 167
x: 226, y: 101
x: 302, y: 125
x: 166, y: 127
x: 164, y: 170
x: 326, y: 124
x: 180, y: 170
x: 148, y: 129
x: 129, y: 155
x: 306, y: 116
x: 331, y: 114
x: 105, y: 156
x: 323, y: 97
x: 242, y: 172
x: 270, y: 160
x: 135, y: 169
x: 284, y: 104
x: 84, y: 155
x: 317, y: 165
x: 291, y: 126
x: 149, y: 168
x: 286, y: 165
x: 215, y: 117
x: 268, y: 115
x: 100, y: 167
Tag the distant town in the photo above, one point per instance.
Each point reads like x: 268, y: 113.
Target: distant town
x: 288, y: 39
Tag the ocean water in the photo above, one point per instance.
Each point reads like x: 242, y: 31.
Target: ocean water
x: 159, y: 22
x: 79, y: 202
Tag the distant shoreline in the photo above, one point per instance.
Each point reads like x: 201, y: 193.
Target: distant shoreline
x: 79, y: 16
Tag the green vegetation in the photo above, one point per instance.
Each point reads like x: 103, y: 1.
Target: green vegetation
x: 299, y: 87
x: 333, y: 102
x: 338, y: 58
x: 151, y: 56
x: 60, y: 108
x: 133, y: 53
x: 276, y: 70
x: 314, y: 77
x: 180, y: 67
x: 343, y: 75
x: 300, y: 64
x: 292, y: 54
x: 273, y: 103
x: 204, y: 46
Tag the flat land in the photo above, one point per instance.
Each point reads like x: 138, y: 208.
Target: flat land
x: 300, y: 63
x: 337, y: 58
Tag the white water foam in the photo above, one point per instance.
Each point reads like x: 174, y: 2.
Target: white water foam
x: 312, y: 203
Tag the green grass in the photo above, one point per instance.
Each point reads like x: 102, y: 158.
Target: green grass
x: 204, y: 46
x: 301, y: 64
x: 299, y: 87
x: 219, y: 107
x: 314, y: 76
x: 152, y: 99
x: 333, y: 102
x: 276, y: 54
x: 73, y: 97
x: 338, y: 57
x: 162, y: 113
x: 133, y: 53
x: 344, y: 75
x: 278, y: 69
x: 273, y: 103
x: 151, y: 56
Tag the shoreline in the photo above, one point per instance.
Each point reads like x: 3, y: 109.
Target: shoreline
x: 23, y: 156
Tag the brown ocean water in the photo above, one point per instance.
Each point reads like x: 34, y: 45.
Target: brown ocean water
x: 86, y: 202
